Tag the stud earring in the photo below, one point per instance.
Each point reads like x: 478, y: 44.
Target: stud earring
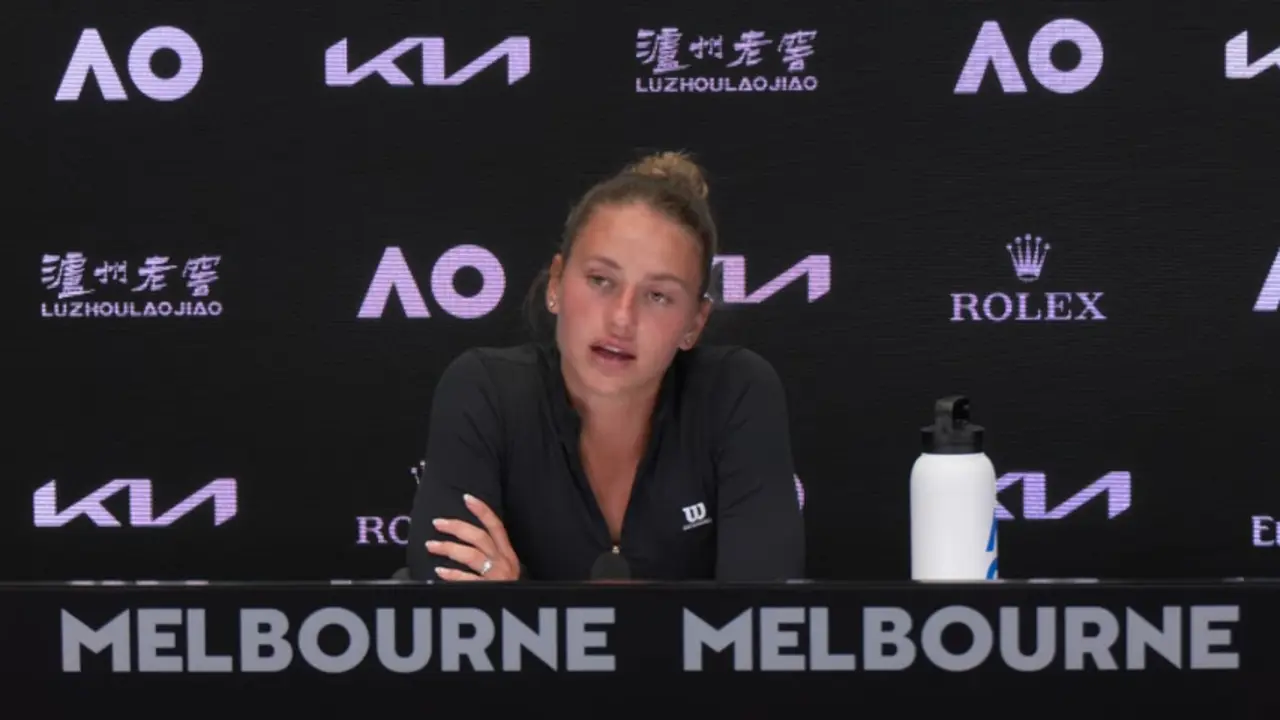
x: 551, y: 304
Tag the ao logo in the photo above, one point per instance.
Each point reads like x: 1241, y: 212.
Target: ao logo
x: 991, y: 49
x: 1269, y: 296
x: 90, y: 56
x: 394, y: 276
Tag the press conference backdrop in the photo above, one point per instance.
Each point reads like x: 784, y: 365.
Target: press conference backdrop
x: 246, y: 238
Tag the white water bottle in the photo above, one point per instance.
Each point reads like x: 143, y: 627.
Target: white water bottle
x: 953, y: 500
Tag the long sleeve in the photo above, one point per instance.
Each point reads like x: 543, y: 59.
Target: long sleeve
x: 463, y: 456
x: 760, y: 534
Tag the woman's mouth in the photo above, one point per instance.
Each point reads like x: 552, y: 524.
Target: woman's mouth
x: 611, y: 353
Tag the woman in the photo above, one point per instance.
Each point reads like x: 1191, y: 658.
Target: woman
x: 621, y: 437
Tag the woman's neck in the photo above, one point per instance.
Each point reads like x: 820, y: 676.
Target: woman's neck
x: 615, y: 420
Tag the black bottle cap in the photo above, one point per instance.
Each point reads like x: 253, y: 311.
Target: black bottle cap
x: 951, y: 432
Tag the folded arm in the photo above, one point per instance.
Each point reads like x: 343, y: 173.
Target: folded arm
x: 463, y: 456
x: 761, y: 530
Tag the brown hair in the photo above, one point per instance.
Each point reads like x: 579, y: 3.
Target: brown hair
x: 668, y: 182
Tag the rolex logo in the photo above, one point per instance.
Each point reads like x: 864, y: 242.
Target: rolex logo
x: 1028, y: 254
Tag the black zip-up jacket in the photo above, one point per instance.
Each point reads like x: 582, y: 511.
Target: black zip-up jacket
x: 715, y: 495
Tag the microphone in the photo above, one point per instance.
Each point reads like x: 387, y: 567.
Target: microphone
x: 610, y: 567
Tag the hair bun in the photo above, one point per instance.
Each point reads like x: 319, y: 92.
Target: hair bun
x: 676, y: 167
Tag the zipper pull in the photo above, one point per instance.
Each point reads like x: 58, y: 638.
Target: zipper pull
x: 615, y: 550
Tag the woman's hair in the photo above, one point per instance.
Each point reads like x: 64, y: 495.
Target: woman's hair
x: 667, y: 182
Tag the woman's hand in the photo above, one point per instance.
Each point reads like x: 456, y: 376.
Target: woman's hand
x: 487, y: 552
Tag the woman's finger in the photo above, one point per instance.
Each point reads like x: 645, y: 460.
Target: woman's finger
x: 467, y: 533
x: 455, y: 575
x: 491, y: 523
x: 459, y: 553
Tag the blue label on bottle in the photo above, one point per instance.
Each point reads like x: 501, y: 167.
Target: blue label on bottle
x: 992, y: 571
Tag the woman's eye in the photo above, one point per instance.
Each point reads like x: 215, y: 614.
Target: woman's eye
x: 598, y: 280
x: 659, y: 298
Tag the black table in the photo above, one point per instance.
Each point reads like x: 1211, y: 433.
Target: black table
x: 1009, y: 648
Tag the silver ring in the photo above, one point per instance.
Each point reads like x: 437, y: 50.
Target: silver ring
x: 486, y: 567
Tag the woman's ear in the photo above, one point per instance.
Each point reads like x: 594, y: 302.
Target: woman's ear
x: 554, y: 275
x: 691, y: 335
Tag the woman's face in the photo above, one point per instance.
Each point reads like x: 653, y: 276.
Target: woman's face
x: 627, y: 299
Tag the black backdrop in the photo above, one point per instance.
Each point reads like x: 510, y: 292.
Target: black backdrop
x: 1153, y: 186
